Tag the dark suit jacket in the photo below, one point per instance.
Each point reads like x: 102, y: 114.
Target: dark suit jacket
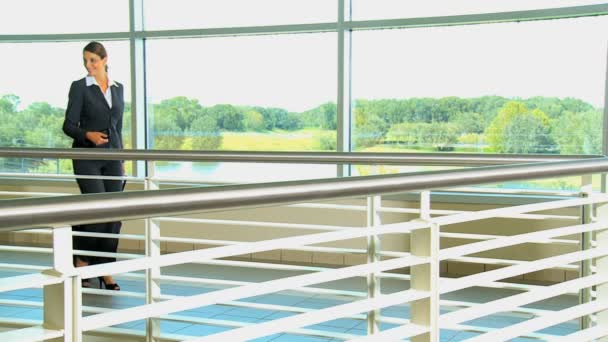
x: 88, y: 111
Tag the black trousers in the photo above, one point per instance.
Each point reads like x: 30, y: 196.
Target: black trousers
x: 89, y: 186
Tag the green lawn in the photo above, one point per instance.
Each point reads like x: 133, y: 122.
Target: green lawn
x: 302, y: 140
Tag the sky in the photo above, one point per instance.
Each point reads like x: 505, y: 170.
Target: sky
x: 562, y: 58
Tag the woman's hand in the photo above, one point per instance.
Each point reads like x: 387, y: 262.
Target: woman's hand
x: 97, y: 138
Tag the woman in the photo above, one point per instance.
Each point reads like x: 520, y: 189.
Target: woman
x: 93, y: 119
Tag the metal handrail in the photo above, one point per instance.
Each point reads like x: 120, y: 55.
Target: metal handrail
x: 444, y: 159
x: 80, y: 209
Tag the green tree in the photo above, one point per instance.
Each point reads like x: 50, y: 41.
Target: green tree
x: 40, y: 125
x: 469, y: 122
x: 9, y: 131
x: 180, y: 110
x: 323, y: 117
x: 167, y: 135
x: 369, y: 128
x: 273, y: 117
x: 439, y: 135
x: 254, y: 121
x: 227, y: 117
x: 503, y: 140
x: 525, y: 133
x: 579, y: 133
x: 205, y: 134
x: 292, y: 122
x: 325, y: 141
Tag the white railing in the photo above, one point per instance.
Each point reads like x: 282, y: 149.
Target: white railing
x: 63, y: 294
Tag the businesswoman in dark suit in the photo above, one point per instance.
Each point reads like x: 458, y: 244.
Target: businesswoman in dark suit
x: 93, y: 119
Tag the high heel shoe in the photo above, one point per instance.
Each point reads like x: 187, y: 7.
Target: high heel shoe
x: 111, y: 287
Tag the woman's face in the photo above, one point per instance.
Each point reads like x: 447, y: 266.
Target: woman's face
x: 94, y: 64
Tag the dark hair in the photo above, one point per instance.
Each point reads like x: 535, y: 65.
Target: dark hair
x: 98, y: 49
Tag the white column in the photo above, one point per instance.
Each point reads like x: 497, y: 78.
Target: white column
x: 585, y: 243
x: 62, y: 303
x: 374, y: 204
x: 152, y: 249
x: 425, y: 243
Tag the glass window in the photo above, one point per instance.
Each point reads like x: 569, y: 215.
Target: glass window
x: 184, y: 14
x: 502, y: 88
x: 392, y: 9
x: 36, y: 79
x: 65, y: 16
x: 532, y: 87
x: 254, y: 93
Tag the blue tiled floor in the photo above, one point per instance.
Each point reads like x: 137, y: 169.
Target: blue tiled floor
x: 253, y: 315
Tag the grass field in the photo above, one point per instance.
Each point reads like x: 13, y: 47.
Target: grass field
x: 302, y: 140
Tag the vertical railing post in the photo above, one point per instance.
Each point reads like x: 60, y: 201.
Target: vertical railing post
x: 62, y: 303
x: 585, y: 243
x: 424, y: 242
x: 601, y: 266
x: 152, y: 249
x: 374, y: 204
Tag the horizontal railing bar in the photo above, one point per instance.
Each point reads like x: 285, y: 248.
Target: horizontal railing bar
x: 237, y: 324
x: 26, y: 249
x: 120, y: 236
x: 432, y: 211
x: 186, y: 181
x: 473, y: 328
x: 122, y: 293
x: 198, y: 320
x: 244, y: 248
x: 64, y: 176
x: 507, y: 241
x: 254, y: 223
x: 510, y: 271
x: 494, y: 284
x: 317, y: 316
x: 525, y: 208
x: 21, y: 303
x: 261, y: 265
x: 30, y: 280
x: 518, y: 310
x: 333, y: 206
x: 223, y: 282
x: 471, y: 159
x: 225, y: 243
x: 469, y: 236
x: 31, y: 334
x: 41, y: 231
x: 590, y: 334
x: 541, y: 322
x: 32, y: 193
x: 506, y: 262
x: 128, y: 256
x: 108, y: 207
x: 453, y: 212
x: 512, y: 302
x: 252, y: 290
x: 405, y: 331
x: 507, y: 191
x: 23, y: 267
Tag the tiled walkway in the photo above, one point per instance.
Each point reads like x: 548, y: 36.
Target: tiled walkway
x: 250, y: 315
